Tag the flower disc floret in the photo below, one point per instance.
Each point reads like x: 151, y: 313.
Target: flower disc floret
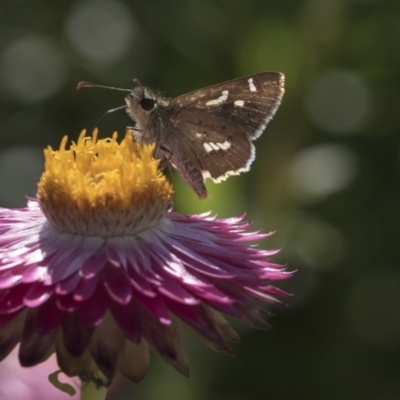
x: 102, y: 187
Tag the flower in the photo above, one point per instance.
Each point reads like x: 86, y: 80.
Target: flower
x: 99, y: 268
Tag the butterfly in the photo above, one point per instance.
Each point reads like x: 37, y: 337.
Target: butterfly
x: 206, y: 133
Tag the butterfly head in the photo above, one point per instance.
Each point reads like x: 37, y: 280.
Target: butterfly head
x: 141, y: 102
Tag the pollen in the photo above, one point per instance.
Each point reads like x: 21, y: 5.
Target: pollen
x: 103, y: 187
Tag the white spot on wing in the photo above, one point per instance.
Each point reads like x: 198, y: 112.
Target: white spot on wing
x: 245, y: 168
x: 251, y: 85
x: 219, y: 100
x: 210, y: 146
x: 239, y: 103
x: 207, y: 147
x: 220, y: 146
x: 199, y: 135
x: 214, y: 146
x: 224, y: 146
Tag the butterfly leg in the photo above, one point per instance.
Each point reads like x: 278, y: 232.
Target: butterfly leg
x: 164, y: 155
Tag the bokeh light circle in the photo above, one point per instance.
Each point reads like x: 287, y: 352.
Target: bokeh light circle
x: 32, y: 69
x: 339, y: 102
x: 321, y: 170
x: 100, y: 31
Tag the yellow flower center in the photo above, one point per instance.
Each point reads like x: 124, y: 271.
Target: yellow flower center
x: 102, y: 187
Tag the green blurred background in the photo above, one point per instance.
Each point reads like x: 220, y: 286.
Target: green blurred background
x: 326, y: 176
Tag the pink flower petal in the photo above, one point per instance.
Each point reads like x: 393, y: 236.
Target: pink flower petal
x: 127, y: 316
x: 92, y: 310
x: 37, y: 294
x: 117, y: 285
x: 67, y: 303
x: 68, y: 285
x: 97, y: 294
x: 49, y: 317
x: 86, y: 288
x: 12, y: 300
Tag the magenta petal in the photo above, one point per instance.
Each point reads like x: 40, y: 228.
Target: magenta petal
x: 216, y: 298
x: 253, y: 236
x: 155, y: 306
x: 199, y: 263
x: 275, y: 291
x: 255, y: 318
x: 229, y: 309
x: 275, y: 273
x: 193, y: 315
x: 92, y: 245
x: 66, y: 262
x: 94, y: 264
x: 49, y: 317
x: 86, y: 288
x: 68, y: 285
x: 37, y: 294
x: 13, y: 299
x: 92, y: 310
x: 140, y: 284
x: 176, y: 292
x: 198, y: 320
x: 112, y: 256
x: 233, y: 265
x: 210, y: 294
x: 33, y: 273
x: 8, y: 280
x: 260, y: 295
x: 117, y: 285
x: 141, y: 252
x: 67, y: 303
x: 119, y: 250
x: 128, y: 318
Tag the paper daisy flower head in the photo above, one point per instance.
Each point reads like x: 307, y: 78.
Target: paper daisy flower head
x: 99, y: 269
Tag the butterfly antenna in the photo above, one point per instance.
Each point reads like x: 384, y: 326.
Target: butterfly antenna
x: 94, y: 85
x: 91, y: 85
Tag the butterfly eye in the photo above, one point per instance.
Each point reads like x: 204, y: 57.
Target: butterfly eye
x: 147, y: 103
